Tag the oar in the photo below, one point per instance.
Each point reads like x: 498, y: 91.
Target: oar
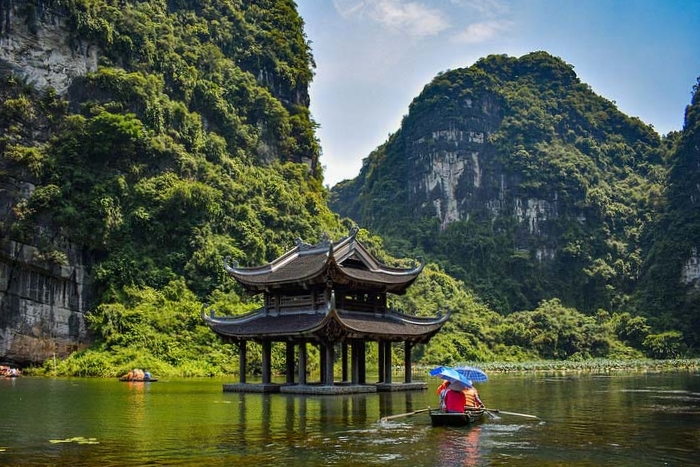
x: 512, y: 413
x: 407, y: 414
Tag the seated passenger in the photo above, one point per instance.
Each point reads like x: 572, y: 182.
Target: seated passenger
x: 472, y: 400
x: 454, y: 398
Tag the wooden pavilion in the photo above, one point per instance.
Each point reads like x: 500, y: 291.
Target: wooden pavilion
x: 334, y: 296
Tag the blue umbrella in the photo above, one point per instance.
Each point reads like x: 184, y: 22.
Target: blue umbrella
x: 452, y: 375
x: 472, y: 373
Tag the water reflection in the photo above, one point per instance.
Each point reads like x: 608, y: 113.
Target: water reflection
x: 643, y: 420
x: 460, y: 447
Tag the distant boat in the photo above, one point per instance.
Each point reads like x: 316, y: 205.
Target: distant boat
x: 8, y: 372
x: 469, y: 417
x: 137, y: 380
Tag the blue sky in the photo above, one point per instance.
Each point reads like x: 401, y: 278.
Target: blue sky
x: 374, y: 56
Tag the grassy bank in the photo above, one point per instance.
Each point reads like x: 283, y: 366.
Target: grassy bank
x: 595, y: 365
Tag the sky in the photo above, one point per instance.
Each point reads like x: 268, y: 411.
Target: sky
x: 373, y: 57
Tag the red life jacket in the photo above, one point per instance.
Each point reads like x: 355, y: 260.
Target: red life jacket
x: 454, y: 401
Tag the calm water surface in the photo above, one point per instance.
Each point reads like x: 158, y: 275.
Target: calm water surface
x: 585, y: 420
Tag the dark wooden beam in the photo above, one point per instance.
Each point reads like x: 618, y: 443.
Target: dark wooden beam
x: 266, y: 362
x: 382, y: 361
x: 344, y: 357
x: 289, y: 363
x: 407, y: 346
x: 302, y: 363
x: 242, y: 356
x: 330, y: 356
x: 387, y: 362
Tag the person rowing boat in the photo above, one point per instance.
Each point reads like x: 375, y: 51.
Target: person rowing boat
x: 470, y: 399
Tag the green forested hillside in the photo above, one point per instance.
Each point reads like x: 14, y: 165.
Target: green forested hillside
x: 669, y: 289
x: 550, y: 142
x: 193, y: 141
x: 156, y: 162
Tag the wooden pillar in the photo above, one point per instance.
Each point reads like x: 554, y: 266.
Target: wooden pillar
x: 355, y: 361
x: 362, y: 361
x: 344, y: 363
x: 266, y: 362
x: 289, y: 363
x: 330, y: 356
x: 382, y: 360
x: 302, y: 363
x: 322, y: 362
x: 408, y: 377
x: 387, y: 362
x: 242, y: 356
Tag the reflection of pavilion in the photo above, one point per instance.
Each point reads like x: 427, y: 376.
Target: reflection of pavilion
x: 328, y: 295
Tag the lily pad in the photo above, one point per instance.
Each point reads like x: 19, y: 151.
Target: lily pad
x: 77, y: 439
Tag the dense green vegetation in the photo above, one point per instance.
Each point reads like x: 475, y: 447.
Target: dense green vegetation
x: 155, y: 168
x: 193, y: 141
x: 664, y: 295
x: 555, y: 141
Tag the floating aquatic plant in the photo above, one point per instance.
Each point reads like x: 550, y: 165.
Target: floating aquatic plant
x: 77, y: 439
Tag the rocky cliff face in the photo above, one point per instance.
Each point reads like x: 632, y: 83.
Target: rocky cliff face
x: 690, y: 275
x: 42, y: 299
x: 453, y: 169
x: 449, y: 165
x: 41, y: 54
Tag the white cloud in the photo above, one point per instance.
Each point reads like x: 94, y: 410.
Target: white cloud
x: 488, y: 8
x: 488, y: 20
x: 348, y: 8
x: 412, y: 18
x: 480, y: 32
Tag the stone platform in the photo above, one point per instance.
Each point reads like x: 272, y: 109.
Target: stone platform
x: 392, y: 387
x: 321, y: 389
x: 336, y: 389
x: 248, y: 387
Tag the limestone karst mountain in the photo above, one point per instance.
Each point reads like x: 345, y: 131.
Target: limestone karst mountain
x: 519, y: 179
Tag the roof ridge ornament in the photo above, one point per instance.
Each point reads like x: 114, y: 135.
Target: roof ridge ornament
x: 302, y: 245
x: 323, y: 243
x: 325, y: 240
x: 230, y: 263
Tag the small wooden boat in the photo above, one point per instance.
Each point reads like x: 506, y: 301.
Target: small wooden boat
x: 141, y: 380
x: 469, y: 417
x: 8, y: 372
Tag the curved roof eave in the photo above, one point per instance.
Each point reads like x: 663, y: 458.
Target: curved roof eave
x: 233, y: 327
x: 403, y: 318
x: 305, y: 262
x: 395, y: 325
x: 395, y: 281
x: 413, y: 328
x: 247, y: 276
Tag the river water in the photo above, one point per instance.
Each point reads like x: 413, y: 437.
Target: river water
x: 623, y: 419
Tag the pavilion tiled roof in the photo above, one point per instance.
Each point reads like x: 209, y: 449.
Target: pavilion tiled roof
x: 390, y: 325
x: 345, y: 266
x: 346, y: 261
